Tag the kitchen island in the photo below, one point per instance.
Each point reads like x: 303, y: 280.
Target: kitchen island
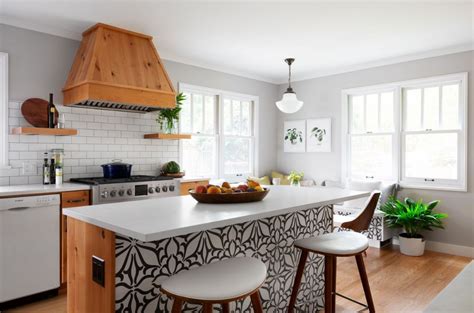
x: 141, y: 243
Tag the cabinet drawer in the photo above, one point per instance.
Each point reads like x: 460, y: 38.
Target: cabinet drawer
x: 75, y: 198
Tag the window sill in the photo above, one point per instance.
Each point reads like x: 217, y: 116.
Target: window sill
x: 436, y: 188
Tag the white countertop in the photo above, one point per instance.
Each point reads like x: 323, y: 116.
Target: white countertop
x: 154, y: 219
x: 23, y: 190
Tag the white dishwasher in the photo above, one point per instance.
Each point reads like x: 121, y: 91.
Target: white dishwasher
x: 29, y: 246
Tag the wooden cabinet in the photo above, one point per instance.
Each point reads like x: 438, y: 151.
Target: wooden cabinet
x: 69, y: 199
x: 186, y: 186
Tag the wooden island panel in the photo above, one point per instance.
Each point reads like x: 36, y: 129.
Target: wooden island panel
x: 84, y: 241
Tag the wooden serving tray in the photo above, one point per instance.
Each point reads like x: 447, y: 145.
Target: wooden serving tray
x: 238, y: 197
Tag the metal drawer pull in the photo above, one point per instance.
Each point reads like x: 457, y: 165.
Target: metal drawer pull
x: 426, y: 179
x: 76, y: 200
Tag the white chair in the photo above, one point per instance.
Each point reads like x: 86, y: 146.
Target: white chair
x: 220, y: 282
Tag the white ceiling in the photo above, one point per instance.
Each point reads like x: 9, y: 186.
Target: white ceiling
x: 252, y: 38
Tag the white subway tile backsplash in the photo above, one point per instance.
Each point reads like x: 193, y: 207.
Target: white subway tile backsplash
x: 102, y: 136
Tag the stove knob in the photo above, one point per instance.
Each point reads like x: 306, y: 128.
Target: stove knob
x: 157, y: 189
x: 165, y: 189
x: 113, y: 193
x: 121, y: 193
x: 151, y: 190
x: 171, y: 187
x: 129, y: 192
x: 104, y: 194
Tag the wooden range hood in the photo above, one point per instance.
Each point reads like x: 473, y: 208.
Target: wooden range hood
x: 117, y: 69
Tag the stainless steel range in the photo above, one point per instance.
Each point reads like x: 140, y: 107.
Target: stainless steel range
x: 109, y: 190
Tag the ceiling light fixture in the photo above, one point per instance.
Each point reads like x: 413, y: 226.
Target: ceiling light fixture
x: 289, y: 103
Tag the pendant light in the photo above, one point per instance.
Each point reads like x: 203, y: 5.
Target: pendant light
x: 289, y: 103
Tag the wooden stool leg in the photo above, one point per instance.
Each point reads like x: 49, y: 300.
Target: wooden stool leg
x: 225, y: 308
x: 365, y: 282
x: 297, y: 283
x: 334, y: 274
x: 207, y: 308
x: 177, y: 305
x: 256, y: 304
x: 328, y: 283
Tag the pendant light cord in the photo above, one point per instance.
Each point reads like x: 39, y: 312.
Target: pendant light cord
x: 289, y: 76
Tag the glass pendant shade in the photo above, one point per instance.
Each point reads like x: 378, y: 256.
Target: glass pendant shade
x: 289, y: 103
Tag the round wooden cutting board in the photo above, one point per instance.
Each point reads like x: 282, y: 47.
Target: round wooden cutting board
x: 35, y: 112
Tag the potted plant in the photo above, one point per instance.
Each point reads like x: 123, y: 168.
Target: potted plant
x: 169, y: 118
x: 295, y: 178
x: 294, y: 135
x: 413, y: 217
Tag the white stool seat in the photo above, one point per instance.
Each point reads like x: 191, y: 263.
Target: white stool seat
x: 344, y: 243
x: 222, y: 280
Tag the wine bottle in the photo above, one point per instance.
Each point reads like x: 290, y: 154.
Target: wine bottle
x: 46, y: 170
x: 52, y: 175
x: 51, y: 112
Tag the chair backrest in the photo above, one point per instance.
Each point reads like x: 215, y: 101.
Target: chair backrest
x: 362, y: 221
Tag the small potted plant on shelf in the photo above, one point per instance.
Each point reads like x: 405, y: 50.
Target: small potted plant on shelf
x: 168, y: 118
x: 295, y: 178
x: 413, y: 217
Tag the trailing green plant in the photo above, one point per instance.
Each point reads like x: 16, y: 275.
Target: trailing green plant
x: 294, y: 135
x: 169, y: 116
x: 295, y: 177
x: 412, y: 216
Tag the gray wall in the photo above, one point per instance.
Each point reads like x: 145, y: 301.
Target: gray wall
x: 39, y: 64
x: 322, y: 98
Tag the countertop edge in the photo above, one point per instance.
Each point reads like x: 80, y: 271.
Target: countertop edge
x: 205, y: 226
x: 31, y: 190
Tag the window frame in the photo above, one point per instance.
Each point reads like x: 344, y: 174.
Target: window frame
x: 4, y: 110
x: 400, y: 133
x: 219, y: 131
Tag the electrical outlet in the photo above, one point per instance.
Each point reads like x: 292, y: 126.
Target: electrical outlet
x: 98, y: 270
x: 29, y: 168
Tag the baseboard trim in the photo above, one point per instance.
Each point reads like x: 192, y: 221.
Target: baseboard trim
x: 445, y: 248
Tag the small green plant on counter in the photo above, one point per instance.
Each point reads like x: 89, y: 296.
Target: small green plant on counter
x: 167, y: 118
x: 413, y: 217
x: 295, y: 177
x: 294, y: 135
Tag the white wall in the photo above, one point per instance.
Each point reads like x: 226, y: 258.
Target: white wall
x: 39, y: 64
x: 322, y: 98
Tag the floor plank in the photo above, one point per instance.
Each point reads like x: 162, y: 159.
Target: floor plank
x: 399, y: 283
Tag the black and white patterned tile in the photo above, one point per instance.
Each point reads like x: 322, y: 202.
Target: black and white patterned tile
x: 142, y: 266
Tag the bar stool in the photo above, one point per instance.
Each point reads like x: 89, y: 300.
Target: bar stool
x: 333, y: 245
x: 220, y: 282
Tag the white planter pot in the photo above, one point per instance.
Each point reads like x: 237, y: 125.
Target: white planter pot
x: 412, y: 246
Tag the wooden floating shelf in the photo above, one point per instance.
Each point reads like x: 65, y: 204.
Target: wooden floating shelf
x: 44, y: 131
x: 167, y: 136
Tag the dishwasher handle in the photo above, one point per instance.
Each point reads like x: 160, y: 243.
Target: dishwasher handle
x: 20, y: 208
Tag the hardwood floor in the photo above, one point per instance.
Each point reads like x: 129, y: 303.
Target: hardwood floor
x: 399, y: 283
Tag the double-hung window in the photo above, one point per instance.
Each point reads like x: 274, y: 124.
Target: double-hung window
x: 413, y: 132
x: 222, y: 125
x: 372, y: 139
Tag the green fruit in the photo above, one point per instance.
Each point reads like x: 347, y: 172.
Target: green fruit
x: 172, y: 167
